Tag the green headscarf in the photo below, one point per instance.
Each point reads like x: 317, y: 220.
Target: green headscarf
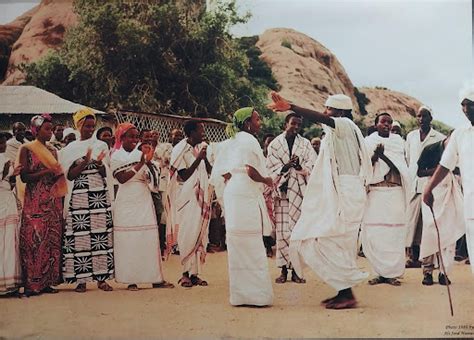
x: 240, y: 116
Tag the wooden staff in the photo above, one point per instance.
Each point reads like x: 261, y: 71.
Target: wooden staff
x: 442, y: 262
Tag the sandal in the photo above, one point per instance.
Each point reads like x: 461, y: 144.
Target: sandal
x: 377, y: 280
x: 185, y: 282
x: 196, y: 281
x: 393, y: 281
x: 163, y: 284
x: 132, y: 288
x: 50, y: 290
x: 81, y: 288
x: 296, y: 278
x: 104, y: 286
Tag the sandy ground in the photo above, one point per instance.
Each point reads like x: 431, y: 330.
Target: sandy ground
x: 411, y: 310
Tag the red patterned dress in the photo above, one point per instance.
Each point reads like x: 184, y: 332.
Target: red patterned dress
x: 41, y: 231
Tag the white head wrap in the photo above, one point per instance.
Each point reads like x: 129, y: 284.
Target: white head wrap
x: 396, y: 123
x: 339, y: 101
x: 423, y: 107
x: 467, y: 93
x: 68, y: 131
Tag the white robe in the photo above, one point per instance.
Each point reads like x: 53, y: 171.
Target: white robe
x: 137, y: 253
x: 189, y: 207
x: 325, y: 236
x: 384, y: 228
x: 459, y: 153
x: 246, y: 219
x: 414, y: 147
x: 10, y: 267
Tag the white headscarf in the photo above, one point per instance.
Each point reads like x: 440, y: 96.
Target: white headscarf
x: 68, y: 131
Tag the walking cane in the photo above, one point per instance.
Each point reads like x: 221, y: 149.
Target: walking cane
x: 442, y: 262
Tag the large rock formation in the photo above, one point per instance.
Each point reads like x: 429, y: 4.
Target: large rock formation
x: 306, y: 70
x: 44, y: 31
x: 41, y: 29
x: 400, y: 106
x: 9, y: 34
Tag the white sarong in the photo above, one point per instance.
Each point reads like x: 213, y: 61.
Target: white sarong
x: 137, y: 251
x: 247, y: 221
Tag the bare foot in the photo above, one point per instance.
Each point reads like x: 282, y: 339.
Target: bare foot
x: 328, y: 300
x: 342, y: 303
x: 104, y: 286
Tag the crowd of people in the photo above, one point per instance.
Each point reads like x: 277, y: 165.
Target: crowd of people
x: 82, y: 205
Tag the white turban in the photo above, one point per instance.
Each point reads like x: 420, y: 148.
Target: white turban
x: 423, y: 107
x: 339, y: 101
x: 396, y: 123
x: 467, y: 93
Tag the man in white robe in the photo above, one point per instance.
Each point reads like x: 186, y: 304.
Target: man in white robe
x: 290, y: 159
x: 325, y: 236
x: 459, y: 153
x: 189, y: 209
x: 384, y: 228
x: 449, y: 215
x: 417, y: 140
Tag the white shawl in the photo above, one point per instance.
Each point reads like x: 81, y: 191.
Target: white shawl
x: 394, y: 149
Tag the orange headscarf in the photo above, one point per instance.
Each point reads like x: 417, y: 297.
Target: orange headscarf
x: 122, y: 129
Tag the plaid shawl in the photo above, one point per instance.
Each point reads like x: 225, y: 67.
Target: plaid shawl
x: 278, y: 156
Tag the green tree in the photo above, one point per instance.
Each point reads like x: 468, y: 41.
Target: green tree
x: 155, y: 57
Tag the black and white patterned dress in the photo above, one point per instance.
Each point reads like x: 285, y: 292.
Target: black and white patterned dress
x: 88, y: 239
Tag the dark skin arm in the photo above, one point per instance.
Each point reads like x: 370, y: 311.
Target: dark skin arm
x: 185, y: 174
x: 208, y: 166
x: 439, y: 174
x: 126, y: 175
x: 255, y: 176
x: 379, y: 154
x: 6, y: 168
x: 26, y: 175
x: 281, y: 104
x: 75, y: 171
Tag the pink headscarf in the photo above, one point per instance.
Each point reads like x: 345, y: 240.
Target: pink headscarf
x: 37, y: 122
x: 122, y: 129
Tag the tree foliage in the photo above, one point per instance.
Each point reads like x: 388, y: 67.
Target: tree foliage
x: 155, y: 57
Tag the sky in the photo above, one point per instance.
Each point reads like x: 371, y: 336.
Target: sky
x: 422, y: 48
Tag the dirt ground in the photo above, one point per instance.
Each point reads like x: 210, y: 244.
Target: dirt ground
x: 411, y: 310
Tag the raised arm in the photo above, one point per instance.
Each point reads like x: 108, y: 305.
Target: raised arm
x: 281, y: 104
